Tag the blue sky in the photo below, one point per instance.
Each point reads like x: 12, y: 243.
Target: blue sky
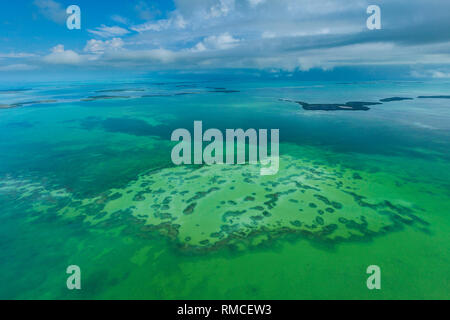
x: 275, y: 36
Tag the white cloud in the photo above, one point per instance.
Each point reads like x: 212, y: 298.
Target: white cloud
x: 440, y: 75
x: 220, y: 42
x: 108, y: 32
x: 146, y: 11
x: 199, y: 47
x: 99, y: 46
x: 268, y: 35
x: 17, y: 67
x: 435, y: 74
x: 222, y: 8
x: 61, y: 56
x: 176, y: 21
x: 17, y: 55
x: 141, y: 58
x: 152, y: 26
x: 119, y: 19
x: 279, y: 34
x: 254, y: 3
x: 52, y: 10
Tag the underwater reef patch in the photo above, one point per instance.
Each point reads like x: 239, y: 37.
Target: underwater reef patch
x: 27, y: 103
x: 200, y: 214
x: 104, y: 97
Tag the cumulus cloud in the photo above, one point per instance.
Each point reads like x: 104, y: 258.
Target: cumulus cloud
x: 283, y: 34
x: 220, y: 42
x: 99, y: 46
x: 300, y: 34
x: 59, y: 55
x: 435, y: 74
x: 222, y: 8
x: 440, y: 75
x: 108, y: 32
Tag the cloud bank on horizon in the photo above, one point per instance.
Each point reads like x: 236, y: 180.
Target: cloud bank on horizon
x: 287, y: 35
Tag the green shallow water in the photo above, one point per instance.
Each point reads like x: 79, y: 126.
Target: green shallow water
x: 92, y: 184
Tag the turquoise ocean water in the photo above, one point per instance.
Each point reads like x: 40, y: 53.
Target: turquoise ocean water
x: 85, y: 169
